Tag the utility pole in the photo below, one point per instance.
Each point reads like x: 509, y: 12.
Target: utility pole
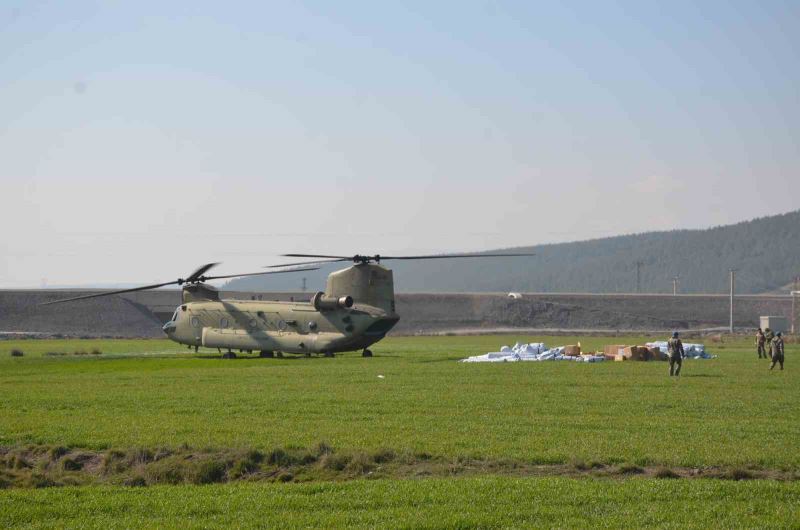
x: 733, y: 287
x: 304, y: 285
x: 794, y: 293
x: 639, y: 276
x: 674, y: 286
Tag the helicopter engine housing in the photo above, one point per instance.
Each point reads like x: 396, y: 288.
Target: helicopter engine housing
x: 199, y: 292
x: 322, y: 302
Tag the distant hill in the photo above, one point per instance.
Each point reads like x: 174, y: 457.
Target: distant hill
x: 765, y: 252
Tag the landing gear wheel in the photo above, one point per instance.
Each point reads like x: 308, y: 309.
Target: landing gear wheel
x: 330, y: 354
x: 366, y: 353
x: 229, y: 355
x: 266, y: 355
x: 279, y: 355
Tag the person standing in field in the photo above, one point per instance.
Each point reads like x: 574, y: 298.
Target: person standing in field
x: 768, y: 336
x: 761, y: 340
x: 777, y: 351
x: 675, y: 352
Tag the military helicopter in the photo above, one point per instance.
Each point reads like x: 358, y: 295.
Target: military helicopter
x: 356, y: 310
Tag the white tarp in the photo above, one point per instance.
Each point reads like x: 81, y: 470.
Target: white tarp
x: 691, y: 351
x: 535, y: 351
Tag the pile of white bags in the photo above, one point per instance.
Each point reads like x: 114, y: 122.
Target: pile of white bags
x: 535, y: 351
x: 691, y: 351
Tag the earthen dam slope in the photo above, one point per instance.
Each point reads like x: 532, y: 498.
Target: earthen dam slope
x: 142, y: 314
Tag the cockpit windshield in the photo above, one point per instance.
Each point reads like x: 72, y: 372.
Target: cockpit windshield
x: 175, y: 315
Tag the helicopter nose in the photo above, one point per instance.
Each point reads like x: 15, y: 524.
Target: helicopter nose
x: 169, y: 327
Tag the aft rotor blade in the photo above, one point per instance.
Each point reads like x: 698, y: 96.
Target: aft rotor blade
x: 315, y: 262
x: 448, y: 256
x: 109, y: 293
x: 199, y: 272
x: 258, y: 273
x: 358, y: 258
x: 315, y: 256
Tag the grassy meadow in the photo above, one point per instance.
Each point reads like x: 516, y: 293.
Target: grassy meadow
x: 485, y: 502
x: 142, y: 397
x: 726, y: 411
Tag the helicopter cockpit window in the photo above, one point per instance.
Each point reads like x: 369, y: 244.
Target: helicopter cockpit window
x: 174, y: 316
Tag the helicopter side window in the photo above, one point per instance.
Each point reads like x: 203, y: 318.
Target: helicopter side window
x: 223, y: 322
x: 195, y: 322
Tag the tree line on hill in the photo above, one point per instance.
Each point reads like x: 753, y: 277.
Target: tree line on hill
x: 765, y: 252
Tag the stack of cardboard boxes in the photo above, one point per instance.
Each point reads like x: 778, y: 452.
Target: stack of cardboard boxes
x: 622, y: 352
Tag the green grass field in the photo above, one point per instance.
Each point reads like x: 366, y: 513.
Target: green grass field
x: 430, y: 503
x: 726, y: 411
x: 730, y: 411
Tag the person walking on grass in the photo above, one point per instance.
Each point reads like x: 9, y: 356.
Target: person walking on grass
x: 777, y: 351
x: 676, y: 354
x: 761, y: 340
x: 768, y: 336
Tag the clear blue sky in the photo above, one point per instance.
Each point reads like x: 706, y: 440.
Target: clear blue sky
x: 138, y: 139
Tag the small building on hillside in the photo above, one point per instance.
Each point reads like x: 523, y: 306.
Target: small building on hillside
x: 775, y: 323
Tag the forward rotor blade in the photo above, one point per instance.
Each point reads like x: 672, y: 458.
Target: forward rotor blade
x: 199, y: 272
x: 109, y: 293
x: 205, y: 278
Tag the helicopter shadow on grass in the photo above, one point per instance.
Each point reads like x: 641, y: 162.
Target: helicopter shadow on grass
x: 447, y: 359
x: 217, y: 357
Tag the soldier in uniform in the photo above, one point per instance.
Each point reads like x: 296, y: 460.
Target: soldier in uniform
x: 768, y: 336
x: 777, y: 351
x: 761, y: 340
x: 675, y: 352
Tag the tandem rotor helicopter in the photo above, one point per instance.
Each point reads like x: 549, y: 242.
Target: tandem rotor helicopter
x: 356, y: 310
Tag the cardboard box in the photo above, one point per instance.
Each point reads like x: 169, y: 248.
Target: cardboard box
x: 620, y: 357
x: 612, y: 349
x: 657, y: 355
x: 573, y: 350
x: 636, y: 353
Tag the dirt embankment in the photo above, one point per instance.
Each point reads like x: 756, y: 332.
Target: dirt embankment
x: 112, y: 316
x: 52, y: 466
x: 142, y: 314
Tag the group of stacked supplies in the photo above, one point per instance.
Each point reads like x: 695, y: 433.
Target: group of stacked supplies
x: 537, y: 351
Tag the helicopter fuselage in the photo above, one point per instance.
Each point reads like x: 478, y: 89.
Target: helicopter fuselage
x: 330, y: 323
x: 291, y: 327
